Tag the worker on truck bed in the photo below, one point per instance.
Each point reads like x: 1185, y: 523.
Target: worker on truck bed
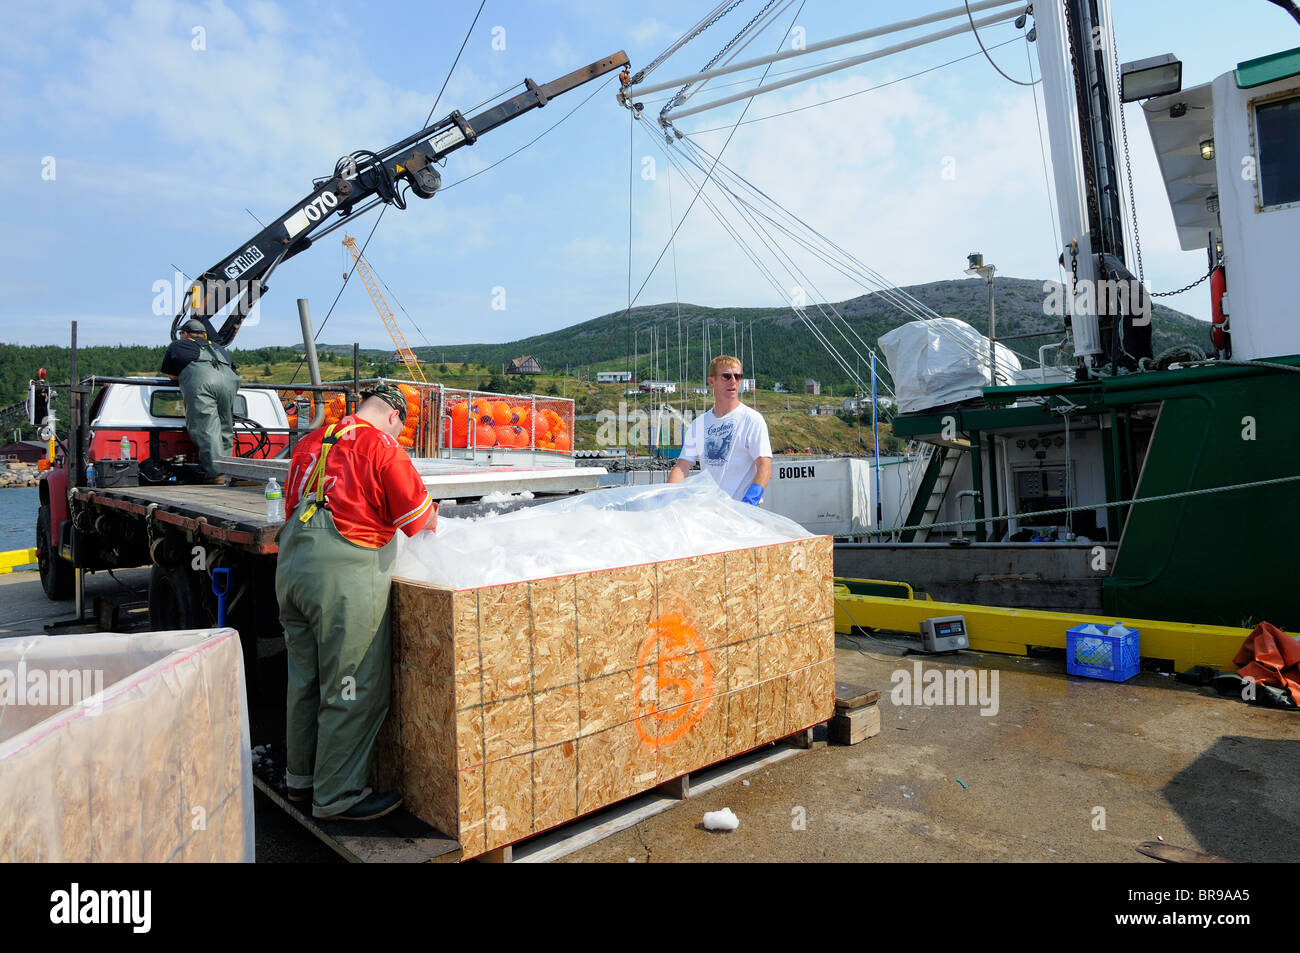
x: 208, y: 383
x: 730, y: 440
x: 350, y: 489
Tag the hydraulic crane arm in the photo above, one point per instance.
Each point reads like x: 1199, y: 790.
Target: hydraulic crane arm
x: 359, y: 182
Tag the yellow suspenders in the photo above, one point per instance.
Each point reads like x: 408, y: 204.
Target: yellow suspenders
x: 317, y: 478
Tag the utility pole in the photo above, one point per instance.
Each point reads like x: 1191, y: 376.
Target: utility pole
x: 977, y: 267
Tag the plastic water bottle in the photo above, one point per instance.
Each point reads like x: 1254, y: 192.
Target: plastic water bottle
x: 274, y: 502
x: 90, y: 473
x: 126, y: 449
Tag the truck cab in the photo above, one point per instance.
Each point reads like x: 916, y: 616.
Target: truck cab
x: 150, y: 415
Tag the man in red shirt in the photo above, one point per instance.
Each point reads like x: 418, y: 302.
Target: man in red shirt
x: 351, y: 487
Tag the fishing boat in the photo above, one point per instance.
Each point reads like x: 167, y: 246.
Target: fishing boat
x: 1132, y: 484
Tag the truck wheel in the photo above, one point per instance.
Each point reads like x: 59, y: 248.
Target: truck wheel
x: 174, y: 602
x: 56, y: 572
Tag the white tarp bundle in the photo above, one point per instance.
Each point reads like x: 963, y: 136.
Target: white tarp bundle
x: 603, y: 529
x: 941, y: 361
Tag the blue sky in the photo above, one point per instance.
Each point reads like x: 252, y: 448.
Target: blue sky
x: 158, y: 148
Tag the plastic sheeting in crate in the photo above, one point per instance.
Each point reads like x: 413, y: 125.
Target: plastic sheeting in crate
x: 1094, y: 652
x: 125, y: 748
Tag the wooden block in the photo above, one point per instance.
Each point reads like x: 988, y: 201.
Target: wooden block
x: 679, y: 788
x: 822, y: 638
x: 509, y: 800
x: 800, y: 585
x: 555, y: 789
x: 741, y: 595
x: 507, y: 728
x: 742, y: 720
x: 775, y: 587
x: 468, y: 660
x: 771, y: 710
x: 555, y: 632
x: 820, y: 576
x: 801, y: 739
x: 694, y: 589
x: 801, y: 645
x: 615, y: 608
x: 849, y: 695
x: 689, y: 737
x: 742, y: 665
x: 423, y: 628
x: 505, y: 642
x: 606, y: 701
x: 612, y: 765
x: 470, y: 750
x: 801, y: 700
x: 472, y: 834
x: 555, y: 715
x: 850, y: 726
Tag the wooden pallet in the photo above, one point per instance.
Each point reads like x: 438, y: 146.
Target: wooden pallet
x: 396, y: 838
x: 585, y: 831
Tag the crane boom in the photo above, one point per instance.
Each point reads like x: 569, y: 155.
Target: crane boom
x: 359, y: 182
x: 399, y: 339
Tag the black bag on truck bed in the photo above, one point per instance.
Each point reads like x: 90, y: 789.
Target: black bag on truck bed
x: 112, y: 473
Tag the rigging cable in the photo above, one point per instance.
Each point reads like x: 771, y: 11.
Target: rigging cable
x: 986, y: 52
x: 687, y: 213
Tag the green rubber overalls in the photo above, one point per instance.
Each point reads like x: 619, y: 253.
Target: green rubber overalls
x: 209, y: 384
x: 333, y: 597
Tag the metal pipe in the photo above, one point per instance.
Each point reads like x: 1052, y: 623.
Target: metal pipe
x: 313, y: 364
x: 826, y: 45
x: 842, y: 64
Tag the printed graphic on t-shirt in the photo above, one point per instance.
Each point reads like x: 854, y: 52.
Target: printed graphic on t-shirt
x: 717, y: 443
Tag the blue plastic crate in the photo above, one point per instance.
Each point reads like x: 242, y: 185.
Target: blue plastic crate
x: 1113, y: 658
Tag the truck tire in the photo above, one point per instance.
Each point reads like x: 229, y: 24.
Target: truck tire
x: 56, y: 572
x: 174, y: 600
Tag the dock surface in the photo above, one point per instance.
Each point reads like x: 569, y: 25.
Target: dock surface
x: 946, y: 783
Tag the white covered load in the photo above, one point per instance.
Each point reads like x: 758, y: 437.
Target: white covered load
x: 604, y: 529
x: 942, y: 361
x: 125, y: 748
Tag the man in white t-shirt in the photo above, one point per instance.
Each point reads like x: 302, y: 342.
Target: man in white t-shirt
x: 730, y: 441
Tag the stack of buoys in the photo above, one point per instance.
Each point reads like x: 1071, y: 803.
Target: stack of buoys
x: 510, y: 424
x: 552, y: 432
x: 407, y: 437
x: 335, y: 410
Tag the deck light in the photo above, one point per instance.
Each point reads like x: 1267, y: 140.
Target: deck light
x: 1154, y: 76
x: 1207, y: 149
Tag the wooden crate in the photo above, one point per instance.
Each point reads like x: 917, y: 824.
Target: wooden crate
x: 520, y: 707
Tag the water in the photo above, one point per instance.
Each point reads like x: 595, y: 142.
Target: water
x: 18, y: 506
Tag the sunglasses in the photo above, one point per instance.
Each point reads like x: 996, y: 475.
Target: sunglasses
x: 729, y: 377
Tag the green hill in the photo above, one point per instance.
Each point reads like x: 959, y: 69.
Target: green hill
x: 783, y: 348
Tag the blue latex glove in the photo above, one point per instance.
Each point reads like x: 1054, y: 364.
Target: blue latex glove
x: 753, y: 496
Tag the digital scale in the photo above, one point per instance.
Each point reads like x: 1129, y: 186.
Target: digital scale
x: 944, y: 634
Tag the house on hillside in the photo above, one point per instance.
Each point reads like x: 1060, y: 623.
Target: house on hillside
x: 524, y: 364
x: 660, y: 387
x: 811, y: 386
x: 613, y: 377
